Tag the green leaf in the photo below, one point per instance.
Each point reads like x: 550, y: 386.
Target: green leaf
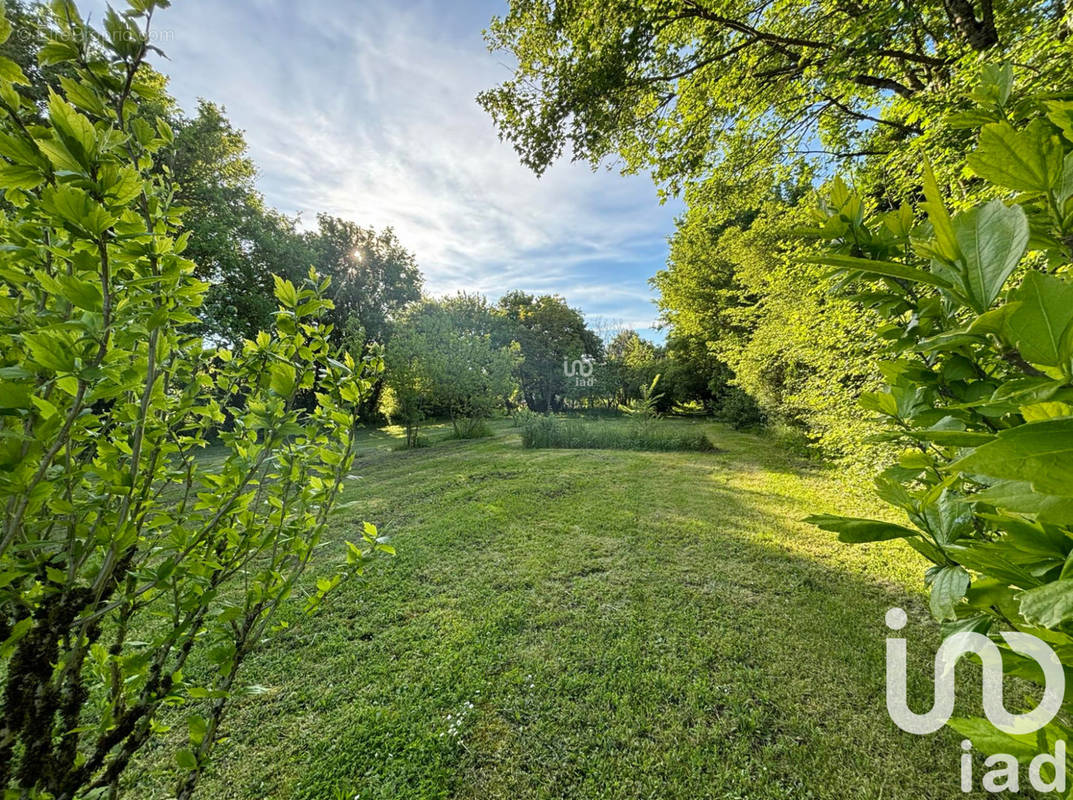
x: 1060, y: 113
x: 992, y: 321
x: 281, y: 379
x: 58, y: 155
x: 989, y: 740
x: 15, y: 176
x: 47, y: 409
x: 198, y: 727
x: 854, y: 530
x: 49, y: 350
x: 943, y: 516
x: 883, y: 402
x: 946, y: 245
x: 285, y: 292
x: 1064, y: 189
x: 886, y: 269
x: 1039, y: 324
x: 996, y: 82
x: 83, y: 294
x: 1016, y: 496
x: 1051, y: 409
x: 75, y: 130
x: 18, y: 631
x: 83, y: 96
x: 79, y: 293
x: 14, y: 396
x: 1048, y: 605
x: 992, y: 239
x: 186, y: 759
x: 948, y: 586
x: 1039, y: 452
x: 947, y: 341
x: 11, y: 72
x: 77, y: 208
x: 20, y: 150
x: 1028, y: 160
x: 56, y: 51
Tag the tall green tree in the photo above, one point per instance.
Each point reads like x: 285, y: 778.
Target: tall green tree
x: 236, y: 240
x: 373, y: 275
x: 734, y: 291
x: 374, y: 278
x: 549, y: 333
x: 680, y: 87
x: 447, y: 356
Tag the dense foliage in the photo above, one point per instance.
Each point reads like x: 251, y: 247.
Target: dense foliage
x: 126, y: 556
x: 733, y: 287
x: 549, y: 334
x: 977, y: 309
x: 684, y: 87
x: 237, y: 241
x: 444, y: 358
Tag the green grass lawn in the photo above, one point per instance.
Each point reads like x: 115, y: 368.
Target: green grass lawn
x: 590, y: 624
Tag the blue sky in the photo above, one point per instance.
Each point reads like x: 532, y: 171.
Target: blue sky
x: 365, y: 109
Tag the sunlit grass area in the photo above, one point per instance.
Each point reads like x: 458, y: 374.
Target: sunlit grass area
x: 589, y: 624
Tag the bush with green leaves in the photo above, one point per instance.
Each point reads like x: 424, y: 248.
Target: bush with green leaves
x: 739, y: 410
x: 129, y: 562
x: 977, y: 310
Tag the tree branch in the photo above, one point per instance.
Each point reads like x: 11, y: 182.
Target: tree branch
x: 888, y: 84
x: 901, y: 126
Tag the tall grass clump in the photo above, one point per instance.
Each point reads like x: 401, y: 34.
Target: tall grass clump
x: 470, y: 428
x: 554, y: 432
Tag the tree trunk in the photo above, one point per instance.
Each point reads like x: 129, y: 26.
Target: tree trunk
x: 980, y: 34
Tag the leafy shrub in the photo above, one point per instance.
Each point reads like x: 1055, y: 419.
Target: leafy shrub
x: 113, y: 523
x: 522, y: 417
x: 470, y: 428
x: 793, y: 440
x: 739, y: 410
x: 978, y: 312
x: 555, y: 432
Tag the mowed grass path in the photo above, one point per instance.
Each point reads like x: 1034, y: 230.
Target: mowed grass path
x: 590, y: 624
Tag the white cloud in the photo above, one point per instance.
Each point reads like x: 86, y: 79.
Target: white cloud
x: 366, y: 110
